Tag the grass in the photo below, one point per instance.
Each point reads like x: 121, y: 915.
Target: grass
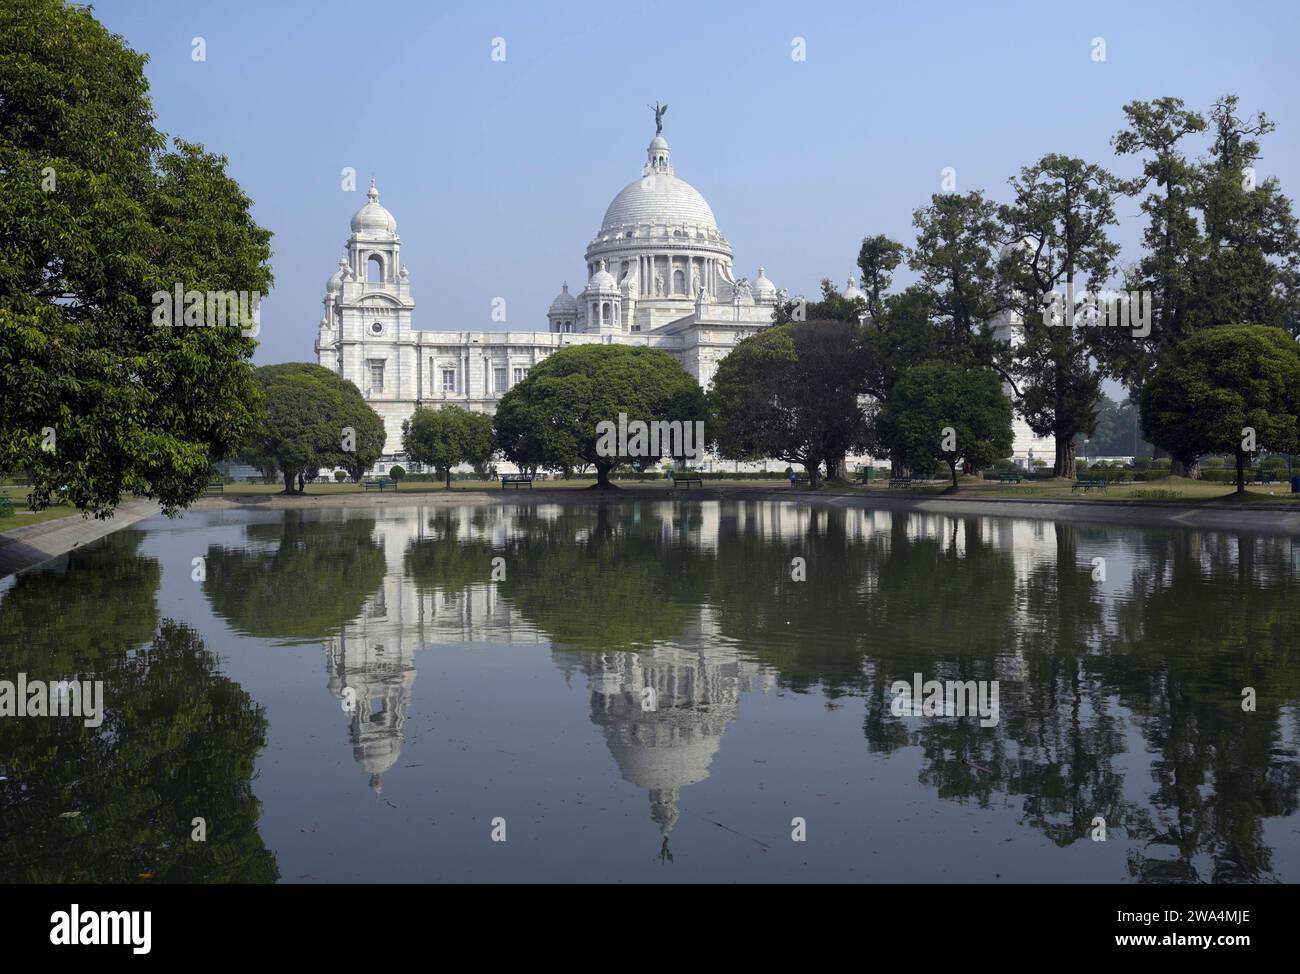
x: 1168, y: 489
x: 22, y: 516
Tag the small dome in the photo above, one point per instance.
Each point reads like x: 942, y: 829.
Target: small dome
x: 658, y: 142
x: 602, y: 280
x: 564, y: 303
x: 335, y: 284
x: 762, y: 288
x: 373, y: 218
x: 853, y: 291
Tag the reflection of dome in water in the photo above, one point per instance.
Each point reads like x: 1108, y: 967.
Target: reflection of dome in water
x: 382, y: 683
x: 672, y: 745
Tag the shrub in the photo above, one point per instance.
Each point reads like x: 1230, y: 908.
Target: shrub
x: 396, y: 473
x: 340, y: 476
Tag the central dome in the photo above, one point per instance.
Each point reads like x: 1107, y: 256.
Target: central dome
x: 658, y: 198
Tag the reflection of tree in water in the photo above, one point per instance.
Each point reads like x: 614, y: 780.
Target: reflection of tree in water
x: 1065, y: 732
x: 302, y: 578
x: 604, y: 578
x: 442, y: 559
x: 944, y: 607
x: 1207, y: 616
x: 810, y: 630
x: 179, y: 740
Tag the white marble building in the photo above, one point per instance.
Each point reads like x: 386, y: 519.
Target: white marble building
x: 659, y: 273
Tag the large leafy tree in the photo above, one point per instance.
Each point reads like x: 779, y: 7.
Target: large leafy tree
x: 878, y: 258
x: 551, y: 418
x: 446, y: 437
x: 939, y: 411
x: 313, y: 418
x: 793, y: 392
x: 1218, y: 385
x: 95, y: 217
x: 1252, y: 247
x: 958, y: 242
x: 1172, y: 239
x: 1059, y: 221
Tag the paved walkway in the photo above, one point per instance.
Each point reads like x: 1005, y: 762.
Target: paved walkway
x: 32, y: 544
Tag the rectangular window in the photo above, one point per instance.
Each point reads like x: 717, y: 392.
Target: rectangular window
x: 448, y: 380
x: 500, y: 380
x: 376, y: 376
x: 519, y: 375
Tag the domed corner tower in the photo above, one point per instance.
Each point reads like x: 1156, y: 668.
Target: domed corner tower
x: 660, y: 243
x: 365, y: 334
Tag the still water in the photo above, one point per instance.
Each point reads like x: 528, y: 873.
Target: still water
x: 375, y: 695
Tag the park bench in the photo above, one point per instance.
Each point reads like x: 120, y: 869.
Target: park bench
x: 800, y: 480
x: 686, y: 479
x: 516, y: 480
x: 900, y: 481
x: 379, y: 485
x: 1010, y: 478
x: 1087, y: 485
x: 217, y: 488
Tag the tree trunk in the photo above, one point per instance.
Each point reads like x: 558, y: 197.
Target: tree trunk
x: 448, y: 469
x: 1241, y: 471
x: 1064, y: 457
x: 288, y: 482
x: 952, y: 465
x: 1191, y: 469
x: 602, y: 475
x: 814, y: 473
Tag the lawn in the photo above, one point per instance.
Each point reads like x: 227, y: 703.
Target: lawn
x: 21, y: 516
x: 1170, y: 489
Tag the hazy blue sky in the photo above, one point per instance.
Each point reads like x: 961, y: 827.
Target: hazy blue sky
x: 499, y: 172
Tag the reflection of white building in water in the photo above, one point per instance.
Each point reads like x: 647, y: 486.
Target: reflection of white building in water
x: 663, y: 711
x: 661, y: 743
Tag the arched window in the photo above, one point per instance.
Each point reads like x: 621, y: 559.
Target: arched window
x: 375, y: 269
x: 679, y: 282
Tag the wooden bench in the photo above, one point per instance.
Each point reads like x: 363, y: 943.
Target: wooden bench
x: 516, y: 480
x: 1010, y: 478
x: 900, y: 481
x: 686, y: 480
x: 1087, y: 485
x: 379, y: 485
x: 217, y: 488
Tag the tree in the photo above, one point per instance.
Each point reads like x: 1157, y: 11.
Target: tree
x: 314, y: 418
x: 1230, y: 389
x: 396, y: 473
x: 96, y: 217
x: 551, y: 419
x: 444, y: 438
x: 946, y: 412
x: 958, y: 241
x: 1058, y: 222
x: 792, y: 392
x: 1172, y: 238
x: 877, y: 259
x: 1251, y: 239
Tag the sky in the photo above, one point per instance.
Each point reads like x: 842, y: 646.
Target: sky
x: 498, y: 172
